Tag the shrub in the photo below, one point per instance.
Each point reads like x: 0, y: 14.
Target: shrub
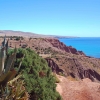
x: 17, y: 38
x: 39, y: 81
x: 56, y: 78
x: 11, y: 88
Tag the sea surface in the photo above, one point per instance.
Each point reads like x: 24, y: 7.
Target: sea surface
x: 90, y: 46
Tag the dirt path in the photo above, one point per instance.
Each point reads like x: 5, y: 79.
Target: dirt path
x: 78, y: 90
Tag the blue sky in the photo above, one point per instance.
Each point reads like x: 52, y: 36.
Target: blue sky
x: 52, y: 17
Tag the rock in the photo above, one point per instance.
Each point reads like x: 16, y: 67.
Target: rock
x: 55, y: 68
x: 56, y: 43
x: 72, y: 67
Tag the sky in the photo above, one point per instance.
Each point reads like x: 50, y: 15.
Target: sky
x: 52, y: 17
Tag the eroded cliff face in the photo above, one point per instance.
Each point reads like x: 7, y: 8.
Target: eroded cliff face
x: 43, y: 44
x: 56, y: 43
x: 75, y: 68
x: 55, y: 68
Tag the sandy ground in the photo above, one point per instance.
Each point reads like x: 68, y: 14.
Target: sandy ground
x: 78, y: 90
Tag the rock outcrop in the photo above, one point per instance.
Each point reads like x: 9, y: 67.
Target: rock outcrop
x: 75, y: 69
x: 78, y: 68
x: 82, y: 72
x: 55, y: 68
x: 44, y: 43
x: 56, y: 43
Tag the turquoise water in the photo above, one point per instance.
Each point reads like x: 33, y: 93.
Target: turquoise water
x: 90, y: 46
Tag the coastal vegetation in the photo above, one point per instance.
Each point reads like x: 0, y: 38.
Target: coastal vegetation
x: 39, y: 81
x: 11, y: 84
x: 25, y: 76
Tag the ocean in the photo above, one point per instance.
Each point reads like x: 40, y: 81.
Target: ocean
x: 90, y: 46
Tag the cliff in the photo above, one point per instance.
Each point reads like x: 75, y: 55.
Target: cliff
x: 61, y: 46
x: 43, y: 43
x: 54, y: 67
x: 72, y: 67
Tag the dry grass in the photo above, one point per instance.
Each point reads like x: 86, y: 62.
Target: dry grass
x: 57, y: 79
x: 71, y: 78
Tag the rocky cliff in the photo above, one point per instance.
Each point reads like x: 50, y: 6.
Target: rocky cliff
x: 55, y: 68
x: 43, y: 44
x: 74, y: 68
x: 57, y: 44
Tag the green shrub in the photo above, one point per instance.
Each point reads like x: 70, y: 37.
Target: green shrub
x: 39, y: 81
x: 56, y: 78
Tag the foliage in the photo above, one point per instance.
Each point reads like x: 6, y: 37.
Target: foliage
x: 7, y: 73
x: 39, y: 81
x: 17, y: 38
x: 57, y: 79
x: 15, y: 90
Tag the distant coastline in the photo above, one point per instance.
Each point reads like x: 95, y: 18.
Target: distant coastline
x: 32, y: 35
x: 65, y: 37
x: 90, y: 46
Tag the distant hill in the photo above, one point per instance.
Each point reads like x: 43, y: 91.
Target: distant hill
x: 29, y: 34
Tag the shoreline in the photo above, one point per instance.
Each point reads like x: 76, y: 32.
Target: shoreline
x: 89, y: 47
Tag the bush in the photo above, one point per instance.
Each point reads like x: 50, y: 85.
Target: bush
x: 17, y: 38
x: 39, y: 81
x: 56, y: 78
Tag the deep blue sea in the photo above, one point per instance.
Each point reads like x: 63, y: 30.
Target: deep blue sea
x: 90, y: 46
